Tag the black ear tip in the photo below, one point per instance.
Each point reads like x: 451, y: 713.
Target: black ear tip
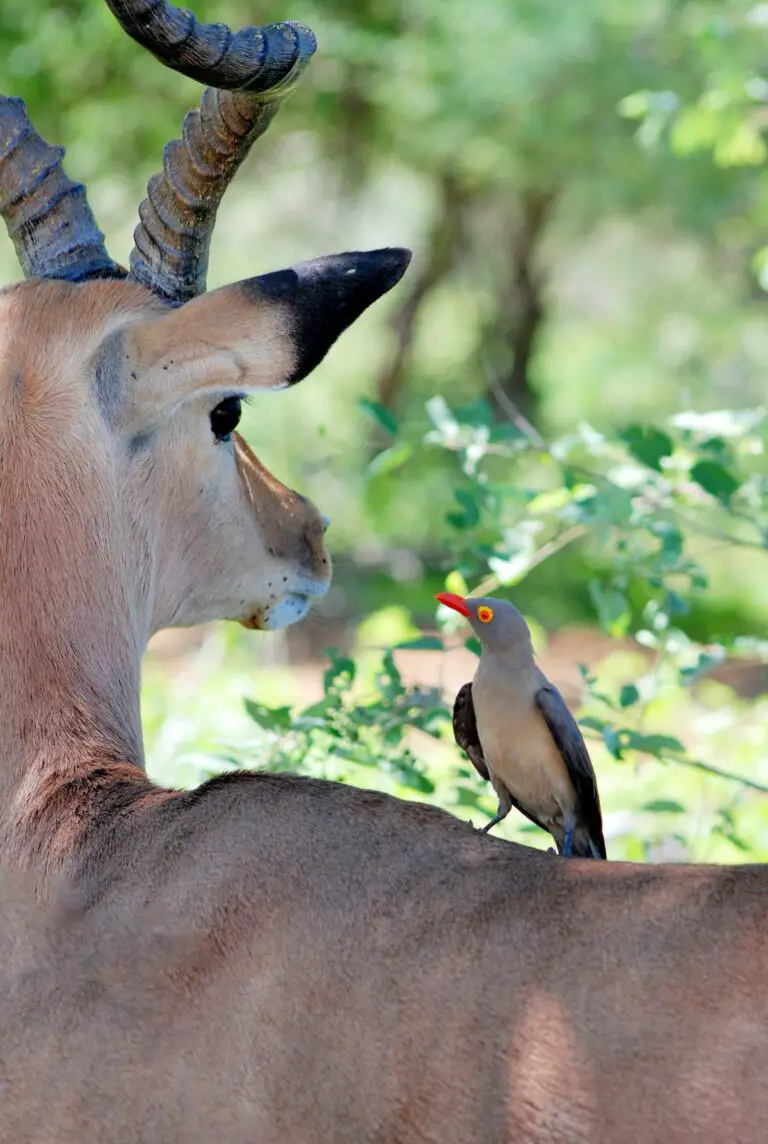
x: 327, y: 294
x: 388, y: 265
x: 397, y: 259
x: 384, y: 267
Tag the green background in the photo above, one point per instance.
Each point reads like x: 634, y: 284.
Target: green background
x: 584, y: 189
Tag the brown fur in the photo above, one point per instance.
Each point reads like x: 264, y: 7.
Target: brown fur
x: 269, y: 959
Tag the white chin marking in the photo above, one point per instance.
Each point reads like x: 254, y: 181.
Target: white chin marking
x: 290, y: 610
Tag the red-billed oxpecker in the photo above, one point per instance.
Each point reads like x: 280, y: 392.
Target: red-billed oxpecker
x: 519, y: 734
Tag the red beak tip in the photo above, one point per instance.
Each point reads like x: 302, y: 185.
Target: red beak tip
x: 452, y: 600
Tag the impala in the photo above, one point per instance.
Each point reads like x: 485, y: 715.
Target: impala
x: 267, y: 959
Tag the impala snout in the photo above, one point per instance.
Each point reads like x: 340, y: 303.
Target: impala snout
x: 291, y: 565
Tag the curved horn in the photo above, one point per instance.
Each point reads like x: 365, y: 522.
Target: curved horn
x: 250, y: 73
x: 47, y: 215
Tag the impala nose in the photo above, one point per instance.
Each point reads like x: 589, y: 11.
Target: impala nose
x: 326, y: 522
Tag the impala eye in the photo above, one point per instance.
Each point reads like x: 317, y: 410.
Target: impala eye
x: 226, y: 417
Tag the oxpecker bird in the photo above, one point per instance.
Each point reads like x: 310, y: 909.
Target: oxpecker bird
x: 519, y: 734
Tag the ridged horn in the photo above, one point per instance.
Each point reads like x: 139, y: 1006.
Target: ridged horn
x: 47, y: 215
x: 249, y: 74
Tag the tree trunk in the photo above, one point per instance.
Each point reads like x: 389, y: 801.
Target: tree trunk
x: 441, y: 256
x: 510, y: 340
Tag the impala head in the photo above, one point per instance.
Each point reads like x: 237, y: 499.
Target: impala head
x: 120, y: 391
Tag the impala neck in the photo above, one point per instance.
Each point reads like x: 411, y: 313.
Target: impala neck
x: 70, y: 649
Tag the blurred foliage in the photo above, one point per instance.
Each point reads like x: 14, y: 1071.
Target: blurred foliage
x: 646, y: 503
x: 540, y: 406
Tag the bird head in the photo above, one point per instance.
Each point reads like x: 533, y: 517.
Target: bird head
x: 498, y: 624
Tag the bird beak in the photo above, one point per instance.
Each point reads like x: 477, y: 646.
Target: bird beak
x: 451, y: 600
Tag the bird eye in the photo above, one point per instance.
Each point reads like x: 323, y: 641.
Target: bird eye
x: 226, y: 417
x: 484, y: 614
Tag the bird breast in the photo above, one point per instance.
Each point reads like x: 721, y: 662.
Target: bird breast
x: 517, y: 743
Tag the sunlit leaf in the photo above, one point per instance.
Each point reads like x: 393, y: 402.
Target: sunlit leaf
x: 388, y: 460
x: 341, y: 669
x: 270, y: 718
x: 612, y: 608
x: 455, y: 582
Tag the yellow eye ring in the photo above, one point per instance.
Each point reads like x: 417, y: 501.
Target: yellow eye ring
x: 484, y: 614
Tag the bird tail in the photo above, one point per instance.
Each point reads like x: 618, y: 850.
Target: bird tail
x: 585, y: 846
x: 594, y: 850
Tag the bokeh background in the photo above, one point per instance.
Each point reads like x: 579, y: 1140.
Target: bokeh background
x: 562, y: 402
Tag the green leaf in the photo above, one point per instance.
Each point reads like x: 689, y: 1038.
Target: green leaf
x: 616, y: 504
x: 593, y: 724
x: 676, y: 605
x: 664, y: 806
x: 473, y: 644
x: 715, y: 479
x: 390, y: 681
x: 470, y: 514
x: 612, y: 608
x: 647, y: 444
x: 413, y: 779
x: 423, y: 643
x: 739, y: 843
x: 317, y: 710
x: 341, y: 668
x: 477, y: 412
x: 380, y: 414
x: 650, y: 744
x: 270, y: 718
x: 671, y: 543
x: 704, y: 661
x: 715, y: 445
x: 612, y: 741
x: 628, y: 695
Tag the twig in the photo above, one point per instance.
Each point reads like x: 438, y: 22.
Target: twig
x: 714, y: 533
x: 693, y: 764
x: 708, y: 768
x: 513, y: 413
x: 546, y: 550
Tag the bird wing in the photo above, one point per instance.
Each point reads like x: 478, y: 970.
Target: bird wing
x: 465, y: 730
x: 466, y: 735
x: 570, y: 741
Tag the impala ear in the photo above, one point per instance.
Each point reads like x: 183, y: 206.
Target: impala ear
x: 262, y: 333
